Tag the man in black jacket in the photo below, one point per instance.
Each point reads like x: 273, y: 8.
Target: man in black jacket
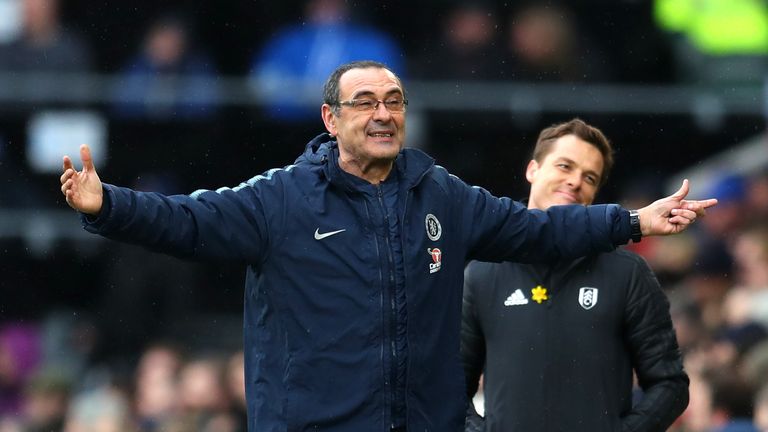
x: 558, y: 344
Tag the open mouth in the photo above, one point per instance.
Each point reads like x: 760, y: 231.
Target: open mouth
x: 381, y: 134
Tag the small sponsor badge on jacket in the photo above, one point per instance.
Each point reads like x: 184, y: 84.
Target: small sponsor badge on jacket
x: 437, y: 259
x: 588, y: 297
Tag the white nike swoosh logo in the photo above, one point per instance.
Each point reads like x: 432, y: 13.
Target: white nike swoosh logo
x: 319, y: 236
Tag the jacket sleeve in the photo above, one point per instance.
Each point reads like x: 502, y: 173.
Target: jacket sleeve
x: 472, y: 337
x: 472, y: 345
x: 655, y: 355
x: 499, y: 229
x: 222, y: 225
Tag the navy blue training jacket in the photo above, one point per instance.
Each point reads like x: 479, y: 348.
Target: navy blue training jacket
x: 317, y: 335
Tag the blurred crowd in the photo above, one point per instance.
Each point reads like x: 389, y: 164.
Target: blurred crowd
x: 716, y: 278
x: 108, y: 373
x: 169, y: 70
x: 48, y: 386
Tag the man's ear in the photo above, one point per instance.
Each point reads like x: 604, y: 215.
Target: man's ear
x: 530, y: 172
x: 329, y: 119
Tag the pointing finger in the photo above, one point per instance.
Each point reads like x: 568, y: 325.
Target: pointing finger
x: 707, y: 203
x: 698, y: 206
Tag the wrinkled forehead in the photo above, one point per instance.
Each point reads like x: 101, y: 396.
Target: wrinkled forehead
x: 370, y: 80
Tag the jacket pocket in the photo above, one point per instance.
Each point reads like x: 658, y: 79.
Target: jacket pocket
x: 328, y: 390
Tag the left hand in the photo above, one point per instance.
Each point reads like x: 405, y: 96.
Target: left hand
x: 673, y: 214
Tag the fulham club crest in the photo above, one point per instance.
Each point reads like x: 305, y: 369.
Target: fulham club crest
x: 437, y: 259
x: 588, y: 297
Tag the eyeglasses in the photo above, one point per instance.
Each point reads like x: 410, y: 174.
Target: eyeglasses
x: 368, y: 104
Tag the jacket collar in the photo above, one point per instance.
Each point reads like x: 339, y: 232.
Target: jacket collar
x: 411, y: 164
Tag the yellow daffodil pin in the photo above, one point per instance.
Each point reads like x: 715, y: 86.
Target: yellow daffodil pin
x: 539, y: 294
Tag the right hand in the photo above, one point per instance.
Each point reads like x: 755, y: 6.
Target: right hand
x: 672, y: 214
x: 82, y: 189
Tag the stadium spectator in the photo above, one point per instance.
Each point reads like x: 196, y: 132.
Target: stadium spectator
x: 169, y: 79
x: 204, y: 403
x: 156, y: 398
x: 44, y: 44
x: 46, y: 401
x: 545, y: 44
x: 20, y: 356
x: 469, y: 47
x: 289, y: 71
x: 235, y: 381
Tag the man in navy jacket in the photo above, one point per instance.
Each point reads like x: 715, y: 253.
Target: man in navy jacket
x: 355, y: 258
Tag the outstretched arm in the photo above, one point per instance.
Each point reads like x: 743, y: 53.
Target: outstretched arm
x: 220, y: 225
x: 82, y: 189
x: 672, y: 214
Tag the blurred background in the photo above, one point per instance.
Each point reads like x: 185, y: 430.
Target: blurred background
x: 174, y: 96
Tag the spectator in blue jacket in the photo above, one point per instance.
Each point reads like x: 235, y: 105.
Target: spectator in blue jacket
x: 290, y: 69
x: 355, y: 257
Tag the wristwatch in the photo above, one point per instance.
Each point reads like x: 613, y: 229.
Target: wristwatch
x: 634, y: 223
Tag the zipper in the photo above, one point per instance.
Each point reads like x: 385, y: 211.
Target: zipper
x: 392, y: 306
x: 387, y: 382
x: 547, y: 280
x: 408, y: 321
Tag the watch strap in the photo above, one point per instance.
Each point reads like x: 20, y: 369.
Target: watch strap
x: 634, y: 222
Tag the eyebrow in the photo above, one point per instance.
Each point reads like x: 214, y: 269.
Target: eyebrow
x: 572, y: 162
x: 394, y: 91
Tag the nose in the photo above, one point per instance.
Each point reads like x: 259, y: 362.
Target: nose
x: 380, y: 112
x: 574, y: 179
